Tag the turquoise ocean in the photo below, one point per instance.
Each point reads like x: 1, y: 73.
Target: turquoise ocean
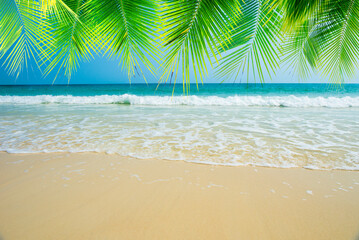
x: 312, y: 126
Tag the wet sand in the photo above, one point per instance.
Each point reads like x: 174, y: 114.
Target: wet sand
x: 99, y: 196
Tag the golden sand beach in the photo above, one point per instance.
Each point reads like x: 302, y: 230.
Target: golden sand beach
x: 99, y: 196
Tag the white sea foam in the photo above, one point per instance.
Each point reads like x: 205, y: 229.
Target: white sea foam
x: 266, y: 101
x: 313, y: 138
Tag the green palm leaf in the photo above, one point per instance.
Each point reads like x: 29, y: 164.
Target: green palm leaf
x: 340, y: 27
x: 23, y: 33
x: 73, y: 38
x: 254, y: 42
x: 252, y: 36
x: 127, y: 29
x: 298, y: 11
x: 191, y: 33
x: 302, y: 48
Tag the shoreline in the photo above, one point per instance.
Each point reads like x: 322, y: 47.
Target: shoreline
x: 102, y: 196
x: 117, y: 155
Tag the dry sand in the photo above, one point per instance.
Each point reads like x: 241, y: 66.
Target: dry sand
x: 98, y: 196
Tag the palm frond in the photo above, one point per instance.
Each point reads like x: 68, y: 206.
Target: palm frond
x: 73, y: 38
x: 23, y: 33
x: 127, y: 29
x: 340, y: 27
x: 250, y: 36
x: 298, y: 11
x: 254, y: 42
x: 191, y: 33
x: 301, y: 51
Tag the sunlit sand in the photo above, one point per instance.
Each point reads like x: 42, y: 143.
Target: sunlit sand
x: 101, y: 196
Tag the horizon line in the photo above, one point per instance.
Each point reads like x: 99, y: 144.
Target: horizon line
x: 177, y: 84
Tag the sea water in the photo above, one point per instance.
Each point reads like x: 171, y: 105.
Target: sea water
x: 279, y: 125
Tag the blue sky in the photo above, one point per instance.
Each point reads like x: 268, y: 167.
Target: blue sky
x: 105, y: 71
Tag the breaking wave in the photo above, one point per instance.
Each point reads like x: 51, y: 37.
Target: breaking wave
x: 263, y: 101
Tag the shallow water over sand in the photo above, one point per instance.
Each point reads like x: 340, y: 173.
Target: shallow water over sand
x: 311, y: 129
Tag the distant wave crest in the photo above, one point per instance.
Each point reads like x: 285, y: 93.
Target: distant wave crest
x: 265, y: 101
